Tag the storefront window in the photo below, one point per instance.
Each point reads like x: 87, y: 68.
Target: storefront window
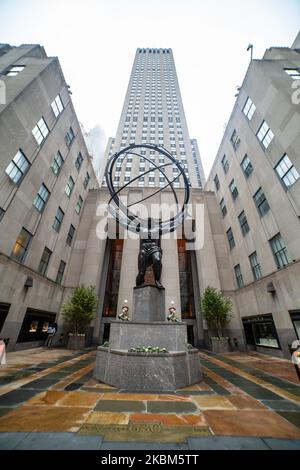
x: 265, y: 335
x: 35, y: 325
x: 261, y: 331
x: 295, y: 317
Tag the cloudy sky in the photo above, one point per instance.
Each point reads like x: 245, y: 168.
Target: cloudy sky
x: 96, y: 40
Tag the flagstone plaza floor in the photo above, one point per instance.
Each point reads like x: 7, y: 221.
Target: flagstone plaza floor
x: 49, y: 400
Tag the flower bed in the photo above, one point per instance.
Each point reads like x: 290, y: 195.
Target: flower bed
x: 148, y: 349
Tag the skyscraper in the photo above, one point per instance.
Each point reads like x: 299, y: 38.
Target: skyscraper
x: 153, y: 112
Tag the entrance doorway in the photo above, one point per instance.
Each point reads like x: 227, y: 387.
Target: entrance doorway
x: 249, y: 336
x: 190, y: 335
x: 106, y: 332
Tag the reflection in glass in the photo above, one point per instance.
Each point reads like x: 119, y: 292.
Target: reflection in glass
x: 33, y: 327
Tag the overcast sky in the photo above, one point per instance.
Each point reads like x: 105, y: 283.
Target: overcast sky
x: 95, y: 41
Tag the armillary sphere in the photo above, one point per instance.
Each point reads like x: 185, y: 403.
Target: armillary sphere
x: 124, y: 214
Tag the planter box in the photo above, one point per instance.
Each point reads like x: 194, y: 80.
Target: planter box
x: 76, y: 342
x: 220, y: 345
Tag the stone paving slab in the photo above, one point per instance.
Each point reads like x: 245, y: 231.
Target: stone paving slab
x: 142, y: 446
x: 213, y: 402
x: 9, y: 440
x: 282, y: 444
x: 73, y: 386
x: 170, y: 407
x: 59, y: 441
x: 41, y: 418
x: 118, y: 405
x: 282, y: 405
x: 250, y: 423
x: 15, y: 397
x: 293, y: 417
x: 245, y: 402
x: 226, y: 443
x: 40, y: 384
x: 4, y: 410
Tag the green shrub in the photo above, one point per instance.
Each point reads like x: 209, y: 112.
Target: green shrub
x: 216, y: 309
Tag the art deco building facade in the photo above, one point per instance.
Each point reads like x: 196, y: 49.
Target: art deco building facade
x: 45, y: 173
x: 256, y: 181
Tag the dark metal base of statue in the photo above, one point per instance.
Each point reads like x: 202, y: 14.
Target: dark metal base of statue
x: 177, y: 368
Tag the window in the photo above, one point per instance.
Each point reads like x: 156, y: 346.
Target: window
x: 69, y: 137
x: 255, y: 266
x: 217, y: 182
x: 57, y: 106
x: 15, y: 70
x: 233, y: 190
x: 295, y: 317
x: 225, y: 164
x: 223, y: 207
x: 238, y: 276
x: 279, y: 251
x: 249, y: 108
x: 261, y: 202
x: 43, y: 266
x: 293, y: 73
x: 21, y: 246
x: 235, y: 140
x: 2, y: 212
x: 40, y: 131
x: 286, y: 171
x: 86, y: 180
x: 70, y: 235
x: 69, y: 186
x: 79, y: 204
x: 247, y: 166
x: 243, y: 223
x: 60, y: 272
x: 265, y: 135
x: 261, y: 331
x: 57, y: 163
x: 230, y: 238
x: 41, y: 198
x: 78, y: 161
x: 58, y: 219
x: 18, y: 167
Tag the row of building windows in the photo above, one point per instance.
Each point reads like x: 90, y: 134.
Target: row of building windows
x: 24, y: 240
x: 155, y: 51
x: 259, y: 199
x: 286, y: 171
x: 22, y: 245
x: 19, y: 166
x: 280, y: 255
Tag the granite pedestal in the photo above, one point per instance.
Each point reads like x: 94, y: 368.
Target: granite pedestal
x: 148, y: 304
x: 177, y: 368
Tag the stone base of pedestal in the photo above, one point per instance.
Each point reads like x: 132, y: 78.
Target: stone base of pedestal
x: 148, y: 304
x: 149, y: 372
x: 126, y: 335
